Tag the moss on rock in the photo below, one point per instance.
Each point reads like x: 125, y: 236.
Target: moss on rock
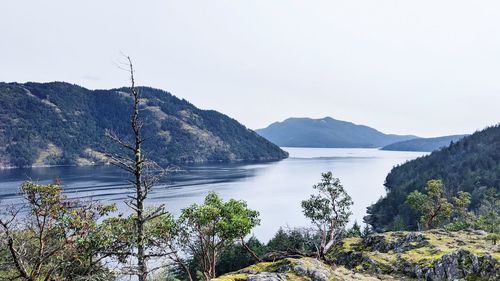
x: 303, y: 269
x: 433, y: 255
x: 430, y: 255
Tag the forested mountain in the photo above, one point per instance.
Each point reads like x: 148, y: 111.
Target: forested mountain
x: 423, y: 144
x: 472, y: 165
x: 62, y: 124
x: 326, y: 132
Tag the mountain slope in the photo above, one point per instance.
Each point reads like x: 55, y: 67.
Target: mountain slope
x: 423, y: 144
x: 63, y: 124
x: 326, y: 132
x: 472, y: 164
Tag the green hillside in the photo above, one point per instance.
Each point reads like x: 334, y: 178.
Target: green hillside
x: 62, y: 124
x: 471, y: 165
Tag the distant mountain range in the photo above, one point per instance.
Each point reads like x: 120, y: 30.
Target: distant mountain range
x: 423, y: 144
x: 327, y: 132
x: 63, y: 124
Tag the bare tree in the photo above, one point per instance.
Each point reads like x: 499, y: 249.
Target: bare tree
x: 144, y: 175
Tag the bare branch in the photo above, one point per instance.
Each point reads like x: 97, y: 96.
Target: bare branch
x: 115, y: 138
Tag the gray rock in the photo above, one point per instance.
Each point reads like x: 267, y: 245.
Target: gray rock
x: 267, y: 276
x: 309, y: 268
x: 313, y: 269
x: 458, y: 265
x: 406, y: 242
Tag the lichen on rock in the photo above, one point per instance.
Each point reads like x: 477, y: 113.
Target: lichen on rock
x: 301, y: 269
x: 431, y: 255
x: 285, y: 269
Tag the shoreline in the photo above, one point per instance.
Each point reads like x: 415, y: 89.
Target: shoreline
x: 257, y: 161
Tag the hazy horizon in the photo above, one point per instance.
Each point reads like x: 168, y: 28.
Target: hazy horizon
x: 426, y: 68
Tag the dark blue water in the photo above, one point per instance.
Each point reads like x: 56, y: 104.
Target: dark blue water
x: 274, y: 189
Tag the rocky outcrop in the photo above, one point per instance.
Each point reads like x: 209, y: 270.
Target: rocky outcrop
x: 459, y: 264
x: 432, y: 255
x: 301, y: 269
x: 403, y: 243
x: 285, y: 269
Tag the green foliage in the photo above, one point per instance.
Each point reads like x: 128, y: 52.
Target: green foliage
x: 329, y: 210
x: 74, y: 119
x: 435, y: 210
x: 469, y: 165
x: 117, y: 236
x: 235, y: 256
x: 433, y: 207
x: 489, y: 212
x: 462, y: 217
x: 494, y: 237
x: 207, y: 229
x: 53, y: 240
x: 354, y: 231
x: 367, y: 231
x: 330, y: 204
x: 294, y: 240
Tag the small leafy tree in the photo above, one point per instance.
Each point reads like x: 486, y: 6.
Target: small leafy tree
x: 329, y: 210
x: 207, y: 229
x: 489, y: 212
x: 462, y: 217
x: 433, y: 207
x: 161, y: 240
x: 49, y: 239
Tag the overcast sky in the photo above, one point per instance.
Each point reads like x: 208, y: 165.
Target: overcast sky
x: 410, y: 67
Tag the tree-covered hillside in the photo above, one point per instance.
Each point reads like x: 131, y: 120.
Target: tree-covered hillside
x: 62, y: 124
x: 471, y: 165
x: 423, y: 144
x: 326, y: 132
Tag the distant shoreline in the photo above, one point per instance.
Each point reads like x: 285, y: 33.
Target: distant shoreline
x: 176, y: 163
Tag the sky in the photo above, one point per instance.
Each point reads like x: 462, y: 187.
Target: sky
x: 427, y: 68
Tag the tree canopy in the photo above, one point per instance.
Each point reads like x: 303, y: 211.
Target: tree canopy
x: 329, y: 210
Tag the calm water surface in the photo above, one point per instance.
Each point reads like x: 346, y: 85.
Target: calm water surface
x: 274, y: 189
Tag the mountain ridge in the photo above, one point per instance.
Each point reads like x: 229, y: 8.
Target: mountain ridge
x: 59, y: 123
x: 326, y: 132
x: 423, y: 144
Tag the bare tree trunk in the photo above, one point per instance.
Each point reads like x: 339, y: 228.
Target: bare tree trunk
x: 254, y: 255
x: 15, y: 258
x: 179, y: 261
x: 140, y: 191
x: 134, y: 165
x: 140, y: 169
x: 214, y: 261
